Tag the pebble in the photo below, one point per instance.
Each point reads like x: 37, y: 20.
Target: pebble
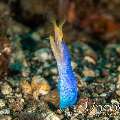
x: 88, y: 51
x: 39, y: 71
x: 42, y: 55
x: 25, y: 71
x: 106, y: 118
x: 5, y: 111
x: 26, y: 87
x: 14, y: 82
x: 36, y: 36
x: 5, y: 117
x: 103, y: 95
x: 113, y: 101
x: 46, y: 65
x: 39, y: 86
x: 118, y: 68
x: 2, y: 103
x: 52, y: 97
x: 81, y: 82
x: 55, y: 78
x: 73, y: 64
x: 118, y: 92
x: 90, y: 59
x: 6, y: 89
x: 108, y: 65
x: 18, y: 95
x: 93, y: 112
x: 118, y: 86
x: 54, y: 71
x: 88, y: 72
x: 81, y: 109
x: 41, y: 111
x: 112, y: 87
x: 83, y: 104
x: 16, y: 105
x: 46, y: 73
x: 52, y: 116
x: 118, y: 50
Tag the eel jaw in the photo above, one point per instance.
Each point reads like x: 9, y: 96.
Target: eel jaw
x: 55, y: 49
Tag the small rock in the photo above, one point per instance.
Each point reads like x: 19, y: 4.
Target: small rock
x: 39, y: 70
x: 93, y: 112
x: 54, y: 71
x: 112, y: 87
x: 108, y: 65
x: 90, y: 59
x: 5, y: 117
x: 46, y: 73
x: 81, y: 109
x: 55, y: 78
x: 13, y: 81
x: 105, y: 118
x: 5, y: 111
x: 118, y: 92
x: 41, y: 110
x: 25, y: 71
x: 89, y: 73
x: 118, y: 82
x: 105, y: 73
x: 2, y: 103
x: 19, y: 95
x: 52, y: 116
x: 83, y: 105
x: 118, y: 50
x: 103, y: 95
x: 118, y: 86
x: 17, y: 28
x: 36, y: 36
x: 26, y: 87
x: 39, y: 86
x: 88, y: 51
x: 73, y: 64
x: 81, y: 82
x: 46, y: 65
x: 42, y: 55
x: 6, y: 89
x: 113, y: 101
x: 52, y: 97
x: 118, y: 68
x: 16, y: 105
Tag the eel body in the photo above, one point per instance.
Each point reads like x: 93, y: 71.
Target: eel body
x: 67, y: 83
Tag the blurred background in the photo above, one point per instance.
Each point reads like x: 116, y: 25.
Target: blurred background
x: 28, y: 69
x: 85, y: 20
